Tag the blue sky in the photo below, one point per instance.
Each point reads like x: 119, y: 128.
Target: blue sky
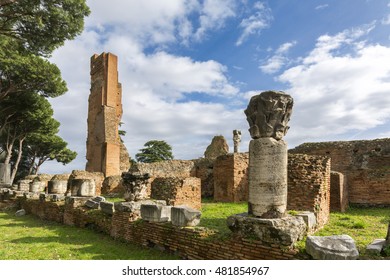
x: 189, y: 67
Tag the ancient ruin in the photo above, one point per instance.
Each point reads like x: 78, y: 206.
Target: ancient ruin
x: 268, y: 115
x: 236, y: 139
x: 104, y: 148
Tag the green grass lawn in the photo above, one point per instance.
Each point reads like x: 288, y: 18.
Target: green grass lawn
x: 29, y: 238
x: 362, y: 224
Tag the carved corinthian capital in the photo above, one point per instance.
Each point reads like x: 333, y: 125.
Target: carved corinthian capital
x: 268, y: 114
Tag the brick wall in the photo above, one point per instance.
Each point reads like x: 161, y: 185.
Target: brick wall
x: 178, y: 191
x: 309, y: 185
x: 365, y: 165
x: 231, y: 178
x: 188, y: 243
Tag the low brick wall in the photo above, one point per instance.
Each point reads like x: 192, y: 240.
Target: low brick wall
x: 188, y: 243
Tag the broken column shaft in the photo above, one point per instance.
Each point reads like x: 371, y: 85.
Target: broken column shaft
x: 268, y: 115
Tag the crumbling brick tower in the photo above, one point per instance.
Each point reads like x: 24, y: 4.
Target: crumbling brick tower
x: 104, y: 115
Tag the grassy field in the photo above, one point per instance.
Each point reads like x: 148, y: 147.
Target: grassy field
x: 29, y: 238
x: 362, y: 224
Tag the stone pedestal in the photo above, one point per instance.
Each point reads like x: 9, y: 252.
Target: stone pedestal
x: 83, y: 187
x: 5, y: 174
x: 284, y: 231
x: 267, y: 193
x: 57, y: 186
x: 37, y: 186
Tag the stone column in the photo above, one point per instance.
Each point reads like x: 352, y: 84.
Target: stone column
x: 5, y: 174
x: 236, y: 139
x: 268, y: 115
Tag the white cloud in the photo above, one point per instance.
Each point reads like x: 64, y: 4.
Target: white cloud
x: 278, y: 60
x: 386, y: 20
x: 321, y: 7
x: 256, y: 22
x: 213, y: 15
x: 336, y: 93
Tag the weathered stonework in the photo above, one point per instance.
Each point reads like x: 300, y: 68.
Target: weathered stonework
x: 218, y: 147
x: 236, y: 139
x: 135, y: 185
x: 112, y: 185
x: 308, y: 180
x: 104, y: 114
x: 5, y: 174
x: 178, y: 191
x: 268, y: 114
x: 365, y: 165
x: 230, y: 174
x: 267, y: 180
x: 97, y: 177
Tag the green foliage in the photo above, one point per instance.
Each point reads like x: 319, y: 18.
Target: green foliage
x: 40, y: 26
x: 155, y: 151
x: 27, y: 73
x: 29, y: 238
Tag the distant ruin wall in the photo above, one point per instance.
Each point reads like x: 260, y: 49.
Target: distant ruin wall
x: 365, y: 165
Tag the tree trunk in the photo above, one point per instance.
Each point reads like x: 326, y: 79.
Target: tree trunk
x: 16, y: 166
x: 32, y: 163
x: 40, y: 162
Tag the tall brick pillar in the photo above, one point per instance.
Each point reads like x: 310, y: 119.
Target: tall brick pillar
x: 104, y: 115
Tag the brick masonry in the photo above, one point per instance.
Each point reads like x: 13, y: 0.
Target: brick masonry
x: 178, y: 191
x: 231, y: 178
x: 188, y: 243
x: 365, y: 165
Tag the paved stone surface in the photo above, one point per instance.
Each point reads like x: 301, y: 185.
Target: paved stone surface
x: 336, y: 247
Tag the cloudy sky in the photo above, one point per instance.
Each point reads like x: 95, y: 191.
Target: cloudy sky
x: 189, y: 67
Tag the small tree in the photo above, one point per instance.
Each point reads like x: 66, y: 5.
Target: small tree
x: 155, y: 151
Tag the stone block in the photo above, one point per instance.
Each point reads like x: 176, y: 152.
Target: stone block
x: 107, y: 207
x: 310, y: 220
x: 30, y: 195
x: 56, y: 197
x: 37, y: 186
x: 21, y: 212
x: 74, y: 201
x: 284, y: 231
x: 335, y: 247
x: 94, y: 203
x: 57, y: 186
x: 155, y: 213
x: 5, y: 174
x: 24, y: 185
x: 184, y: 216
x: 133, y: 206
x: 376, y: 247
x: 83, y: 187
